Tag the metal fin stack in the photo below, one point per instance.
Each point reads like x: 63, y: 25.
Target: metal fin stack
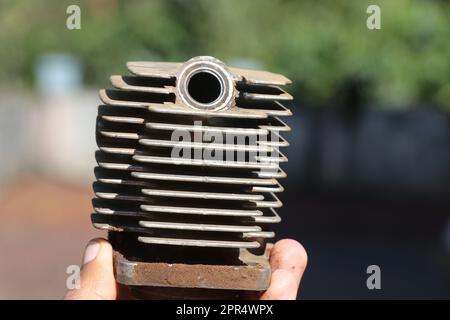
x: 189, y: 161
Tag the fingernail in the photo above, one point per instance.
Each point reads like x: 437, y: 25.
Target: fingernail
x: 91, y: 252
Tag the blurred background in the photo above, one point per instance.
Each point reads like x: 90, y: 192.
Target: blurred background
x: 369, y: 162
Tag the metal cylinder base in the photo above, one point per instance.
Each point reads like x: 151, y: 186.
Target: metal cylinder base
x: 159, y: 280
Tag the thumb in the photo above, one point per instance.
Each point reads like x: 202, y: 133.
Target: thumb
x: 97, y: 277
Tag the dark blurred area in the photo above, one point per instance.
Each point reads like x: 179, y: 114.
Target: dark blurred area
x: 369, y: 162
x: 371, y: 190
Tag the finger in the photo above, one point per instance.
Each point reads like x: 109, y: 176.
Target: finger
x: 288, y: 260
x: 97, y: 277
x: 269, y: 247
x: 282, y: 286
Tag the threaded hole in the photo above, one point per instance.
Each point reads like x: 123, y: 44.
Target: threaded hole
x: 204, y: 87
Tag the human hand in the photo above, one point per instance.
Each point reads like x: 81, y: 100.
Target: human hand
x: 288, y: 261
x: 97, y: 280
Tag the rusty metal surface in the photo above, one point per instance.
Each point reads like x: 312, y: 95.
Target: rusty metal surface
x: 202, y: 211
x: 253, y: 275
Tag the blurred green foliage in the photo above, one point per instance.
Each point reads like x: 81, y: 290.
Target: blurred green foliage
x: 320, y: 45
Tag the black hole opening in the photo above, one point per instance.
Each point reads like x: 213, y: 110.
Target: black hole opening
x: 204, y: 87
